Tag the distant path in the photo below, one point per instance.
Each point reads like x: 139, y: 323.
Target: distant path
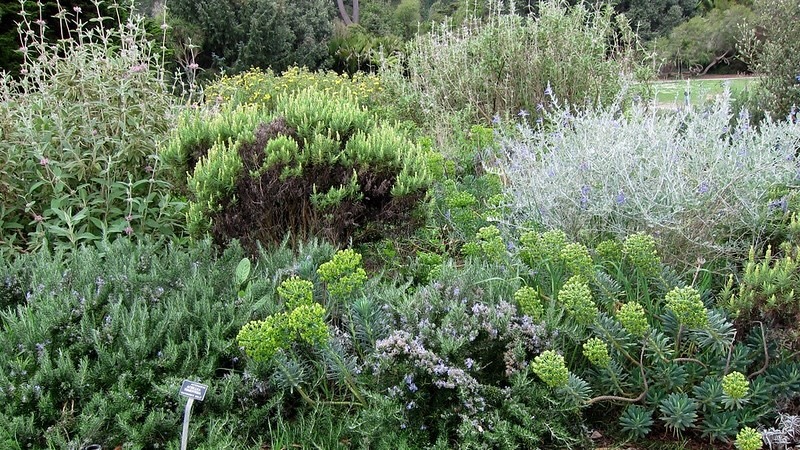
x: 709, y: 78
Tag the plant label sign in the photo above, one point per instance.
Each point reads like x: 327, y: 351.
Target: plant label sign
x: 193, y: 390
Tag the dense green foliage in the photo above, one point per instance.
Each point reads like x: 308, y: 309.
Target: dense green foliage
x: 79, y: 133
x: 772, y: 51
x: 510, y: 64
x: 95, y: 344
x: 16, y: 18
x: 528, y: 249
x: 653, y: 19
x: 705, y: 41
x: 272, y: 34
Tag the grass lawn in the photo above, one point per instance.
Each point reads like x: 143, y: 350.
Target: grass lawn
x: 700, y: 90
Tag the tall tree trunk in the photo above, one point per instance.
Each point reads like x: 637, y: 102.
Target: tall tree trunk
x: 343, y: 12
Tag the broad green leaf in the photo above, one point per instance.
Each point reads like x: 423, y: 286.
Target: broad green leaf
x: 242, y: 271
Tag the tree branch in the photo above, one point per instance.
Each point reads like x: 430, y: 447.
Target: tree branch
x: 722, y: 57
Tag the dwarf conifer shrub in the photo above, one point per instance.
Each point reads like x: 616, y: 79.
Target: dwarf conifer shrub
x: 317, y: 164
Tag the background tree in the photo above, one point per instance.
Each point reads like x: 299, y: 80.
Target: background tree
x: 348, y: 19
x: 238, y: 35
x: 653, y: 19
x: 771, y: 50
x: 10, y: 58
x: 704, y: 42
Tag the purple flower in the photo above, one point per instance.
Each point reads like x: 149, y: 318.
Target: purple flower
x: 44, y: 161
x: 468, y: 363
x: 496, y: 119
x: 479, y: 309
x: 523, y: 113
x: 128, y: 230
x: 548, y: 90
x: 781, y: 204
x: 584, y: 196
x: 620, y: 199
x: 703, y: 188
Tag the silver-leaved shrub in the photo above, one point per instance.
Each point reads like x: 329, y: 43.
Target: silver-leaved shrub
x: 698, y: 179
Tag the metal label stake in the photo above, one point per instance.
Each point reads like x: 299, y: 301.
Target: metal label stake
x: 192, y: 391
